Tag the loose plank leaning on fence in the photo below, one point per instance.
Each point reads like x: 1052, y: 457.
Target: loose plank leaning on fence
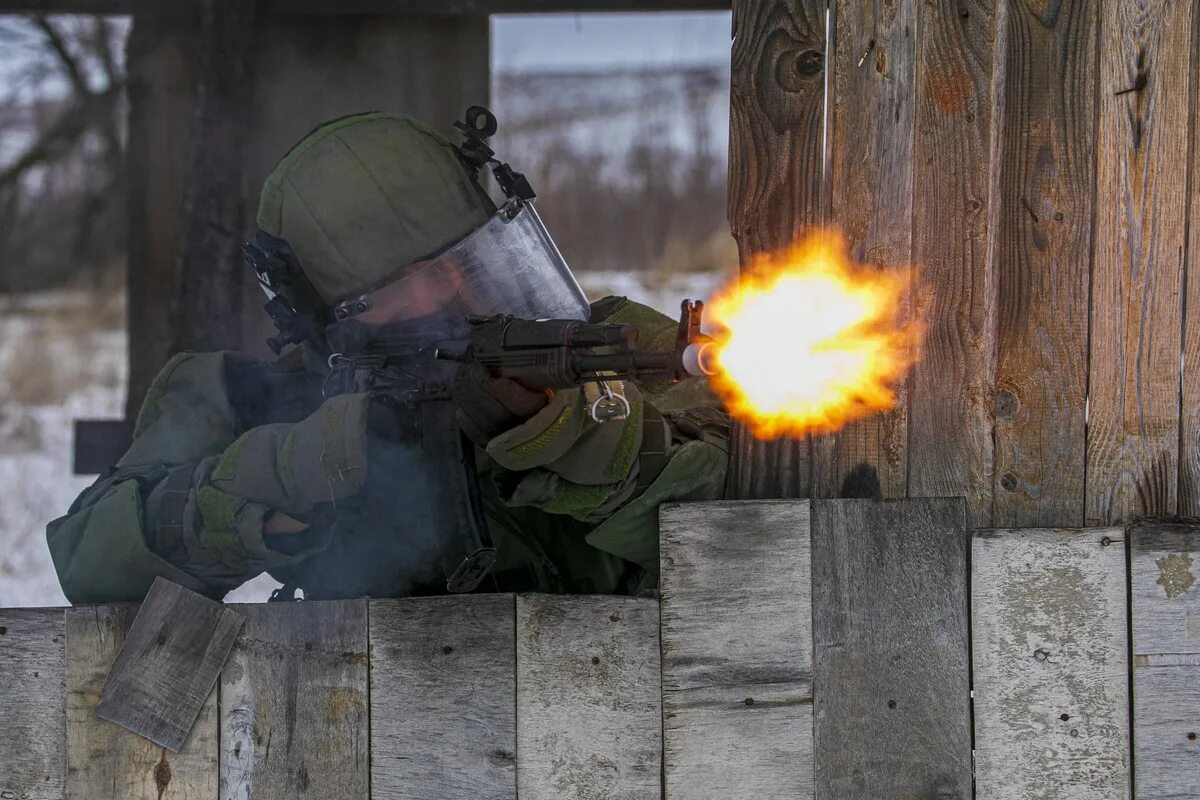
x: 294, y: 703
x: 32, y: 710
x: 1164, y: 561
x: 589, y: 719
x: 737, y: 650
x: 890, y: 664
x: 1051, y: 686
x: 107, y: 762
x: 168, y: 664
x: 443, y: 696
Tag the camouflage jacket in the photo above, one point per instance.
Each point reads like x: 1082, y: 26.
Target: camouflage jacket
x: 224, y: 440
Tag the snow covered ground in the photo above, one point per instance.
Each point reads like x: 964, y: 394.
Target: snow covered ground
x: 62, y: 357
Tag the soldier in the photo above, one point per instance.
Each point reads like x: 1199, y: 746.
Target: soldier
x: 376, y: 240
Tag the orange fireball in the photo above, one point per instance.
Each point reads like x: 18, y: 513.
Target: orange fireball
x: 810, y: 340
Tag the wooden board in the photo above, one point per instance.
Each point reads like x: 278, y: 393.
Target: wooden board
x: 871, y: 128
x: 33, y: 728
x: 443, y: 698
x: 1043, y: 172
x: 1164, y: 561
x: 168, y: 664
x: 952, y: 391
x: 890, y: 663
x: 1141, y: 186
x: 737, y: 650
x: 107, y: 762
x: 1048, y: 630
x: 1189, y: 434
x: 589, y: 717
x: 294, y: 717
x: 776, y: 122
x: 161, y: 64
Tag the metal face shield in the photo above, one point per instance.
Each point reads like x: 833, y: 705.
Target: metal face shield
x: 509, y: 265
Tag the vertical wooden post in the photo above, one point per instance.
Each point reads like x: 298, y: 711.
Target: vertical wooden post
x: 871, y: 128
x: 1043, y: 201
x: 1133, y: 424
x: 161, y: 67
x: 210, y: 264
x: 1189, y: 424
x: 777, y: 100
x: 952, y: 393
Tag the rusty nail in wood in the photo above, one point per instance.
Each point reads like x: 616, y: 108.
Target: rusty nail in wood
x: 1105, y: 542
x: 749, y: 701
x: 1040, y: 654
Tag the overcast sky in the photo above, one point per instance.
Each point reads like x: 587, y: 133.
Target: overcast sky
x: 565, y: 41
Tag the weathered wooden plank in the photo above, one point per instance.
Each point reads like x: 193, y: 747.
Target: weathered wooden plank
x: 107, y: 762
x: 1042, y: 207
x: 951, y: 395
x: 1189, y: 439
x: 33, y: 727
x: 294, y: 703
x: 211, y: 270
x: 1051, y: 682
x: 1165, y: 619
x: 890, y: 661
x: 776, y: 123
x: 872, y: 178
x: 589, y: 720
x: 443, y: 698
x: 1141, y: 184
x: 161, y: 59
x: 168, y: 664
x: 737, y: 650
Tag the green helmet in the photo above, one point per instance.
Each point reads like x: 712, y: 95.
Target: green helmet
x: 362, y: 196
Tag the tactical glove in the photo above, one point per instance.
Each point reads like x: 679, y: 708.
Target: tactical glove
x: 487, y: 406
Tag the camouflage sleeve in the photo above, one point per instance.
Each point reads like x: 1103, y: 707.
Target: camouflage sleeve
x: 672, y: 446
x: 189, y: 499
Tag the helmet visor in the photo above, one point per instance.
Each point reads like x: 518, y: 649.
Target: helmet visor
x: 508, y: 265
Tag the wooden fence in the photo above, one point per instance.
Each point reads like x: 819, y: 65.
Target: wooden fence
x: 831, y: 649
x: 1039, y: 162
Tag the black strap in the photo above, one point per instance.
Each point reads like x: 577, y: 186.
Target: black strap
x: 656, y: 440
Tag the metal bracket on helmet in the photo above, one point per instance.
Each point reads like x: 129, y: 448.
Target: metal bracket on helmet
x: 475, y: 153
x: 291, y: 302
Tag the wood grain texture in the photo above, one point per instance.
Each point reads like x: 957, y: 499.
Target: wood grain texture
x: 1051, y: 682
x: 1041, y: 214
x: 294, y: 716
x: 1165, y: 618
x: 1133, y: 427
x: 168, y: 664
x: 951, y: 395
x: 443, y: 698
x: 872, y: 179
x: 161, y: 62
x: 776, y: 120
x: 1189, y: 423
x: 589, y: 715
x: 890, y: 663
x: 737, y: 650
x: 211, y: 268
x: 33, y: 726
x: 107, y: 762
